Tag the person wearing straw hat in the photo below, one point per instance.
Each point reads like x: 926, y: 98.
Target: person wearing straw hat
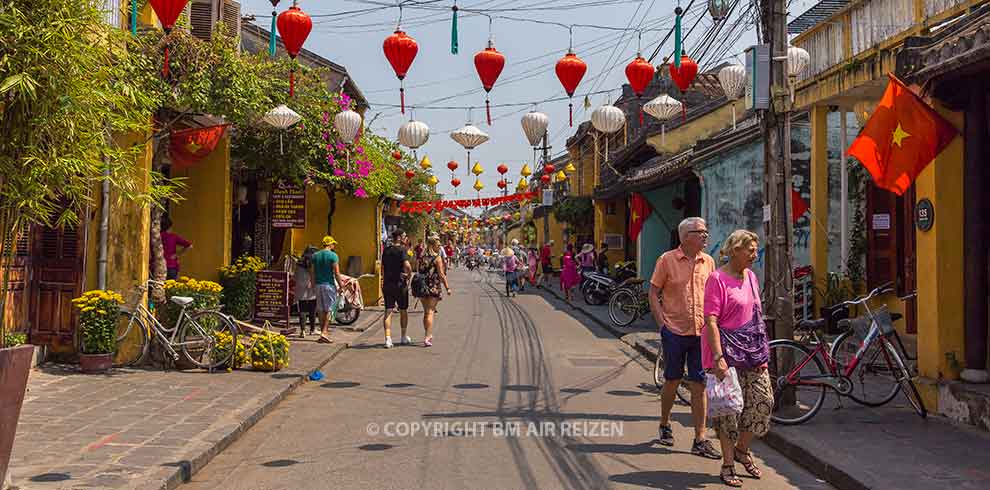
x: 586, y: 259
x: 325, y: 268
x: 509, y: 265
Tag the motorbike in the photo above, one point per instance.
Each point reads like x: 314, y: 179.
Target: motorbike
x: 597, y: 287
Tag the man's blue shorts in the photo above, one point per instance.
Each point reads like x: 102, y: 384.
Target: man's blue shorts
x: 680, y: 351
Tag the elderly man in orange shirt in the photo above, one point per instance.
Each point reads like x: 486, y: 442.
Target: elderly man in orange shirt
x: 680, y: 276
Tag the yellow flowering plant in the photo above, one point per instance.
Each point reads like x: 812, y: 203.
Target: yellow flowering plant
x: 221, y: 349
x: 98, y: 312
x: 238, y: 280
x: 205, y: 294
x: 269, y: 352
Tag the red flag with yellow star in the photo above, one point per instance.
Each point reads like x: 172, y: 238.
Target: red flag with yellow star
x: 188, y: 146
x: 639, y: 209
x: 901, y: 138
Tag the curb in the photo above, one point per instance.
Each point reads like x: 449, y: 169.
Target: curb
x: 184, y: 470
x: 803, y: 457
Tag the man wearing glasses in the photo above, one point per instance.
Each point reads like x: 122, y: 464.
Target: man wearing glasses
x: 680, y: 276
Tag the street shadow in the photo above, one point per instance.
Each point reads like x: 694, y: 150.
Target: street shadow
x: 471, y: 386
x: 522, y: 388
x: 400, y: 385
x: 574, y: 391
x: 624, y: 393
x: 286, y: 376
x: 50, y: 477
x: 185, y: 469
x: 641, y: 448
x: 375, y: 447
x: 672, y: 480
x: 546, y: 415
x: 280, y: 463
x: 340, y: 384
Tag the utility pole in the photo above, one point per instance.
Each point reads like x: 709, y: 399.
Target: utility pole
x: 778, y: 266
x: 546, y: 159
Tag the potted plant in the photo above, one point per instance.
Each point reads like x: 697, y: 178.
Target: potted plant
x: 99, y: 310
x: 238, y: 281
x: 269, y: 352
x: 15, y: 363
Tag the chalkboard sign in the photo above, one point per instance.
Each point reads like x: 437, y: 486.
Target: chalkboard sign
x: 271, y: 297
x: 288, y: 206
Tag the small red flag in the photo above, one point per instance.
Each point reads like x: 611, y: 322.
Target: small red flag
x: 189, y: 146
x: 901, y: 138
x: 798, y: 206
x: 639, y: 210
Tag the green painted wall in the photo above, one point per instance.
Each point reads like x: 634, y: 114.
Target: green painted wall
x: 660, y: 227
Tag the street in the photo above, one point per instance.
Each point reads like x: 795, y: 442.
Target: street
x: 515, y: 393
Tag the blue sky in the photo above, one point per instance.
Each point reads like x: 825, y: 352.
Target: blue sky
x: 351, y: 33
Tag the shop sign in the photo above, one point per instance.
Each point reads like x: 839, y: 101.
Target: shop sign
x: 924, y: 214
x: 288, y: 206
x: 271, y: 298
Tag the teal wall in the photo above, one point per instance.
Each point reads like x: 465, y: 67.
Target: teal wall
x: 655, y: 239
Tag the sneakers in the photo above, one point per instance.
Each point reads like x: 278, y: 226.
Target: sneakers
x: 405, y: 340
x: 705, y: 449
x: 666, y: 436
x: 388, y: 342
x: 428, y: 342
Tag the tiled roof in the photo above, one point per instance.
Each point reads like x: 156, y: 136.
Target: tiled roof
x: 821, y: 12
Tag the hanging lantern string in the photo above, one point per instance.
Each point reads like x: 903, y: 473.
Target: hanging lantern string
x: 453, y: 31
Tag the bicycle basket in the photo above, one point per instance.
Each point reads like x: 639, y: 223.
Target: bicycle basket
x: 861, y: 324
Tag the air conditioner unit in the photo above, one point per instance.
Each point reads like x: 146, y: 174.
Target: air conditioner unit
x: 204, y: 15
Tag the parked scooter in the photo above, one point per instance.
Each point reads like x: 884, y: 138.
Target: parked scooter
x: 597, y: 287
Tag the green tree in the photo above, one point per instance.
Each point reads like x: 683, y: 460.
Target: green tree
x: 64, y: 92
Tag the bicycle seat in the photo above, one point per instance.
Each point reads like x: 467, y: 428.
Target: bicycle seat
x: 811, y: 324
x: 182, y: 300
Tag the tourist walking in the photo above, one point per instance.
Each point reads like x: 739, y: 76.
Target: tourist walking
x: 533, y: 261
x: 736, y: 337
x: 601, y: 259
x: 586, y: 259
x: 430, y: 285
x: 569, y: 276
x: 325, y: 268
x: 396, y: 272
x: 680, y: 276
x: 305, y: 292
x: 510, y: 264
x: 546, y: 265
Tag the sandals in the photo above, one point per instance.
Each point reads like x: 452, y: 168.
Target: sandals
x: 324, y: 340
x: 728, y: 476
x: 749, y: 465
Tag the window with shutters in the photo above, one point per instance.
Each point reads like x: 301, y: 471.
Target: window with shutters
x: 203, y: 14
x: 231, y: 16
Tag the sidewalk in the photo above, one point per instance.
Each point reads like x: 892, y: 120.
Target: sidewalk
x: 147, y: 428
x: 856, y: 447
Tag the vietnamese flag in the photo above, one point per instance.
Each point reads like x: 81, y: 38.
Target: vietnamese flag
x: 639, y: 210
x: 901, y: 138
x: 188, y: 146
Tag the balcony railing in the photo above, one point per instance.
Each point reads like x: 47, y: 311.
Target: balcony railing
x: 863, y: 25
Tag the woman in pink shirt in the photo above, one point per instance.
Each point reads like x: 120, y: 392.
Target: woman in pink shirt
x: 735, y: 336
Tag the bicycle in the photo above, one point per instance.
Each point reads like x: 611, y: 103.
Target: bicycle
x: 871, y: 373
x: 194, y: 332
x: 628, y: 303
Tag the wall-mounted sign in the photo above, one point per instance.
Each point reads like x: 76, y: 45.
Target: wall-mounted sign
x: 547, y: 198
x: 881, y: 221
x: 924, y: 214
x: 288, y: 206
x: 271, y: 297
x: 758, y: 77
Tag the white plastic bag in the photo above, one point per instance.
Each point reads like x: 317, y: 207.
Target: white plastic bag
x: 724, y: 397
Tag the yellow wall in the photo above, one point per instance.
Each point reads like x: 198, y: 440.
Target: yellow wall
x: 614, y: 224
x: 940, y: 268
x: 204, y: 216
x: 684, y: 136
x: 819, y: 199
x: 356, y: 227
x: 556, y: 234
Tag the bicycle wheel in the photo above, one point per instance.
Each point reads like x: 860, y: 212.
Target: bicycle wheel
x: 874, y: 381
x: 623, y: 307
x: 904, y: 379
x: 197, y: 340
x: 795, y: 403
x: 131, y: 340
x: 347, y: 316
x: 683, y: 393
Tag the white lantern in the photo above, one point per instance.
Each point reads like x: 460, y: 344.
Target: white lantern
x: 719, y: 9
x: 347, y: 123
x: 733, y: 81
x: 469, y: 137
x: 414, y: 134
x: 663, y: 108
x: 797, y: 61
x: 535, y: 124
x: 282, y: 118
x: 608, y: 119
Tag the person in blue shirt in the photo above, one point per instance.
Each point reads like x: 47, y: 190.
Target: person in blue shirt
x: 325, y: 270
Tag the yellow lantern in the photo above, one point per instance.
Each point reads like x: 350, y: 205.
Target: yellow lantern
x: 570, y: 169
x: 478, y: 185
x: 561, y: 176
x: 516, y: 216
x: 477, y: 170
x: 433, y: 180
x: 425, y: 163
x: 525, y: 172
x: 522, y: 186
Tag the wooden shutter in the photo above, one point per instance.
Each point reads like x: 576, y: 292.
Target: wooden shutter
x: 203, y: 14
x: 231, y: 17
x: 881, y: 236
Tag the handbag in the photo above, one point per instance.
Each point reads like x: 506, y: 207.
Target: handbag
x: 747, y: 347
x: 419, y: 285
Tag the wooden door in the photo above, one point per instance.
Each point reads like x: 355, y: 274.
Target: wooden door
x: 907, y: 251
x: 57, y: 273
x: 15, y: 316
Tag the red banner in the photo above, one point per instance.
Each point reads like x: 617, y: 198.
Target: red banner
x: 189, y: 146
x: 429, y: 206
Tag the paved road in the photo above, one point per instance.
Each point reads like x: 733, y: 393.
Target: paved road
x: 498, y: 364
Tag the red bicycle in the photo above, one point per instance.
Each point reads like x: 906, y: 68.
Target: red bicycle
x: 863, y: 364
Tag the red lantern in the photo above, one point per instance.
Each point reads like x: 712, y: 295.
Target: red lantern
x: 570, y: 70
x: 501, y: 184
x: 549, y: 168
x: 545, y: 179
x: 294, y: 27
x: 400, y: 50
x: 455, y: 182
x: 639, y: 72
x: 452, y: 165
x: 168, y: 12
x: 410, y: 174
x: 397, y: 155
x: 684, y: 75
x: 489, y: 64
x: 502, y: 169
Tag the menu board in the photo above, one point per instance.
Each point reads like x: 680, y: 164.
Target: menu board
x: 271, y: 297
x: 288, y: 206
